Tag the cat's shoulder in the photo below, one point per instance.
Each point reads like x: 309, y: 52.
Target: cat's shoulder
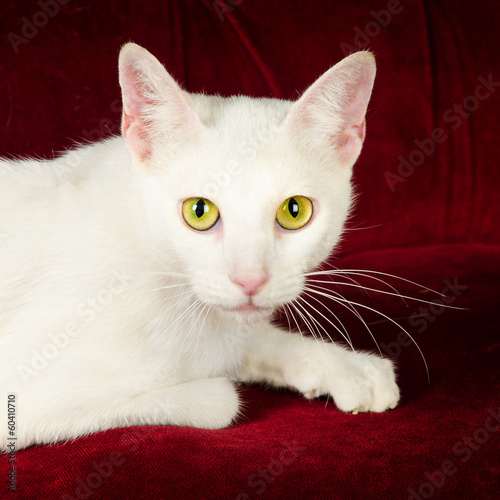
x: 75, y: 163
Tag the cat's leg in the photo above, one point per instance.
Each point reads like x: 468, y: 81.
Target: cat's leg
x: 356, y: 381
x: 210, y: 403
x: 205, y: 403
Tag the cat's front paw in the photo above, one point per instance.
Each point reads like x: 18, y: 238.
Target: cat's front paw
x: 357, y: 381
x: 369, y: 385
x: 211, y: 403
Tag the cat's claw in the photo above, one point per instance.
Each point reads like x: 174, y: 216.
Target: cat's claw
x: 311, y: 394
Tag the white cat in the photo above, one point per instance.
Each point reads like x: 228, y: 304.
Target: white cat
x: 139, y: 274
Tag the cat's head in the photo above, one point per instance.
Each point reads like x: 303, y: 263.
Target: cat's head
x: 243, y: 196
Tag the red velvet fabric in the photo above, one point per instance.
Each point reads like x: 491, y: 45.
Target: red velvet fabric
x: 427, y: 211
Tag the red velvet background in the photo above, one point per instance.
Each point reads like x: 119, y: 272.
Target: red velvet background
x: 438, y: 78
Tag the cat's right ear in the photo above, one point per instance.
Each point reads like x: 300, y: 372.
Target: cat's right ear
x: 154, y: 108
x: 330, y: 115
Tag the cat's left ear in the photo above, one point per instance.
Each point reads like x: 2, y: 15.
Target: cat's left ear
x: 330, y: 115
x: 154, y: 108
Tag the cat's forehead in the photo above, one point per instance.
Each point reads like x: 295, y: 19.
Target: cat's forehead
x: 254, y: 116
x: 245, y: 152
x: 243, y: 141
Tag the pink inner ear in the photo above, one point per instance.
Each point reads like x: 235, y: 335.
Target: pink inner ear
x: 360, y: 130
x: 354, y: 110
x: 332, y: 111
x: 134, y: 128
x: 134, y: 131
x: 152, y: 101
x: 347, y: 143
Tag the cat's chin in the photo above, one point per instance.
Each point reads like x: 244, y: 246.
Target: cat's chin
x: 248, y: 314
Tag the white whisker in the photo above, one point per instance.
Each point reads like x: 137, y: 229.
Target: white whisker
x: 344, y: 334
x: 287, y: 319
x: 343, y: 300
x: 379, y: 322
x: 315, y: 323
x: 203, y: 308
x: 304, y: 319
x: 347, y: 304
x: 167, y: 287
x: 164, y: 273
x: 185, y: 294
x: 346, y: 276
x: 191, y: 309
x: 367, y: 272
x: 397, y: 294
x: 287, y: 307
x: 179, y: 318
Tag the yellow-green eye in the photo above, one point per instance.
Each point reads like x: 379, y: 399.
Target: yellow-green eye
x: 199, y: 213
x: 295, y: 212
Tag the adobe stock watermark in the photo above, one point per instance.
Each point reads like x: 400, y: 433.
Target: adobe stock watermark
x: 260, y: 480
x: 11, y: 440
x: 247, y: 152
x: 464, y: 449
x: 425, y: 315
x: 237, y: 339
x: 31, y: 27
x: 372, y: 28
x: 107, y: 127
x: 454, y: 116
x: 86, y: 312
x: 223, y: 6
x: 133, y: 439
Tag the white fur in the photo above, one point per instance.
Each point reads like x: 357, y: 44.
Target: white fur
x: 114, y: 312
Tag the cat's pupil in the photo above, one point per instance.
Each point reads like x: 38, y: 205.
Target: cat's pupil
x: 200, y: 208
x: 293, y: 208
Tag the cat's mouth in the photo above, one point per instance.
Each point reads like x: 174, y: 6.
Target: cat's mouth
x: 248, y: 307
x: 249, y: 312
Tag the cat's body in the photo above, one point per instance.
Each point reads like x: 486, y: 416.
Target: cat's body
x: 114, y: 311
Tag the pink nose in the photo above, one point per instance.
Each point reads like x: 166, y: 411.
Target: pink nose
x: 250, y: 283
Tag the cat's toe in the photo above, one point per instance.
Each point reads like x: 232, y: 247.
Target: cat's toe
x: 369, y: 385
x: 384, y: 390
